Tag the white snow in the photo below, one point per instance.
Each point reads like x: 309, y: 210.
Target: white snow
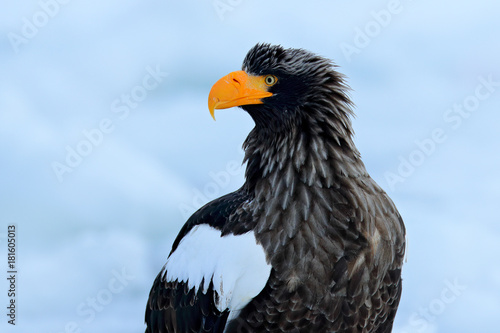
x: 123, y: 205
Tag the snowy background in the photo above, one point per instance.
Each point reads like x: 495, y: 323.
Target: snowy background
x: 107, y: 145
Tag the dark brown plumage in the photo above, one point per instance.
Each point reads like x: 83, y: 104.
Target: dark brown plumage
x: 332, y: 237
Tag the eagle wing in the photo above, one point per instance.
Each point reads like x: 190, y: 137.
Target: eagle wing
x: 209, y: 276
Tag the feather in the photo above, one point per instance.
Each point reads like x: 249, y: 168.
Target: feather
x: 309, y: 243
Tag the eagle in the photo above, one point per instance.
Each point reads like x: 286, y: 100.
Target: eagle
x: 310, y: 242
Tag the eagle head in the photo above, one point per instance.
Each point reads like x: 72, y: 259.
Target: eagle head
x: 283, y: 89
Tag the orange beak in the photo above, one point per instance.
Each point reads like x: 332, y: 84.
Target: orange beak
x: 236, y: 89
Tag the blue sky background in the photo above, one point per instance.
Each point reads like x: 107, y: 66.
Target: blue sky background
x: 92, y: 236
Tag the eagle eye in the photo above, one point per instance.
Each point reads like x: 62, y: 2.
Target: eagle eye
x: 270, y: 80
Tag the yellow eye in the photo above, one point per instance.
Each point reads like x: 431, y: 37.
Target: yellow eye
x: 270, y: 80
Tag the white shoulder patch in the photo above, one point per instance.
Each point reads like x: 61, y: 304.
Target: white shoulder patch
x: 236, y: 264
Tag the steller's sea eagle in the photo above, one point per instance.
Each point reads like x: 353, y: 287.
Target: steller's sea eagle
x: 309, y: 243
